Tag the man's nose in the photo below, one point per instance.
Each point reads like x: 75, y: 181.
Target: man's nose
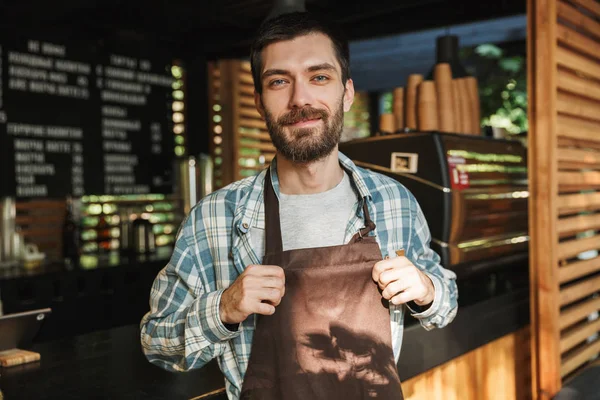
x: 301, y: 95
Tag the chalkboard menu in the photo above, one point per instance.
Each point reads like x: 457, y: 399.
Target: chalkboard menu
x: 80, y: 120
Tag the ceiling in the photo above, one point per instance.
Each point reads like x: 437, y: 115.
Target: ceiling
x: 224, y: 28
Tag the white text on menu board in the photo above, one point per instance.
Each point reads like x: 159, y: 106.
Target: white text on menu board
x: 43, y: 69
x: 124, y: 86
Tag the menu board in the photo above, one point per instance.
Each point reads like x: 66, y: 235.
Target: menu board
x: 80, y: 120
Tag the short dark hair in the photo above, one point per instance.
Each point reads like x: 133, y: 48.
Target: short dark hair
x: 290, y: 26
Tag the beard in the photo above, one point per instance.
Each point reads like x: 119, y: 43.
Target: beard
x: 305, y: 145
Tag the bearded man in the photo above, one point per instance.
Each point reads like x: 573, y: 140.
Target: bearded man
x: 297, y: 280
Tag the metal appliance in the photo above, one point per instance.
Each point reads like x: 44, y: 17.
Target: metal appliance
x: 472, y: 190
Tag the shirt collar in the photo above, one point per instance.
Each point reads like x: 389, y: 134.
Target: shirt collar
x: 251, y: 212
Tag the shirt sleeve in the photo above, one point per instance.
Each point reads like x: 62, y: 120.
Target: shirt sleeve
x: 445, y: 304
x: 183, y: 329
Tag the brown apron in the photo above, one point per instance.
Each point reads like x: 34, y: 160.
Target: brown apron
x: 330, y: 338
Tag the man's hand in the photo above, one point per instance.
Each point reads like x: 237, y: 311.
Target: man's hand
x: 401, y: 282
x: 256, y: 291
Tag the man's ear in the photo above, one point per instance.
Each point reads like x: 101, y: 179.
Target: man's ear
x: 348, y: 95
x: 259, y: 105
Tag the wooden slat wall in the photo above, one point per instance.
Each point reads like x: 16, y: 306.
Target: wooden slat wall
x: 245, y: 145
x: 497, y: 371
x: 564, y: 114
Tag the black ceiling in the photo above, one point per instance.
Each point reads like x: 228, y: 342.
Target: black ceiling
x: 224, y: 27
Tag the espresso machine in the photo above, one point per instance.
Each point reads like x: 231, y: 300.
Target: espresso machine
x: 473, y: 192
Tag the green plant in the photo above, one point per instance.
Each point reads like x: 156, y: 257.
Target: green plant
x: 502, y: 78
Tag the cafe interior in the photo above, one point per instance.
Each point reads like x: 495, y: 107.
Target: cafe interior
x: 117, y: 117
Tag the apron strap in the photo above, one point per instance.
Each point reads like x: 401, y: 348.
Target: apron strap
x: 273, y: 242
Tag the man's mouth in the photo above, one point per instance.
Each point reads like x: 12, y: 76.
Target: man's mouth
x: 305, y: 122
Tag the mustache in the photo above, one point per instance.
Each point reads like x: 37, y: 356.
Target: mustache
x: 302, y: 114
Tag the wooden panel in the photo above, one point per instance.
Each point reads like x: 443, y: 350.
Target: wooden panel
x: 40, y: 204
x: 577, y: 143
x: 245, y: 66
x: 578, y: 312
x: 233, y: 68
x: 247, y: 90
x: 40, y: 222
x: 591, y: 5
x: 56, y: 219
x: 543, y: 187
x: 256, y: 135
x: 571, y: 181
x: 226, y: 99
x: 246, y: 78
x: 572, y: 225
x: 578, y: 334
x: 578, y: 106
x: 257, y: 167
x: 569, y: 82
x: 578, y: 19
x: 571, y: 248
x: 268, y: 156
x: 578, y: 202
x: 579, y: 129
x: 499, y: 370
x: 260, y: 146
x: 578, y: 269
x: 579, y: 290
x: 578, y: 41
x: 581, y: 158
x: 252, y: 123
x: 569, y: 59
x: 579, y: 357
x: 247, y: 101
x: 250, y: 112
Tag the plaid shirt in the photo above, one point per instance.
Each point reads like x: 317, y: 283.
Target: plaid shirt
x: 183, y: 329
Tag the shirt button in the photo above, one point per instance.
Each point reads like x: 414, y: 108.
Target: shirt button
x: 245, y: 225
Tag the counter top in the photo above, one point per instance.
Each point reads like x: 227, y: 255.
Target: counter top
x: 103, y: 365
x: 110, y: 364
x: 88, y: 263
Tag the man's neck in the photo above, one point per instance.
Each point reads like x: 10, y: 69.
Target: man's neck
x: 310, y: 178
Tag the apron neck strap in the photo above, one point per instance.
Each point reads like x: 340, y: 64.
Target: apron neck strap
x: 274, y: 242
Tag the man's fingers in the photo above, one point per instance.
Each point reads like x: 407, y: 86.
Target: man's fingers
x: 389, y: 263
x: 273, y: 296
x: 271, y: 282
x: 264, y: 309
x: 380, y: 267
x: 389, y: 276
x: 403, y: 297
x: 265, y: 270
x: 393, y: 289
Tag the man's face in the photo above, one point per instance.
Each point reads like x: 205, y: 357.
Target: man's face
x: 303, y: 100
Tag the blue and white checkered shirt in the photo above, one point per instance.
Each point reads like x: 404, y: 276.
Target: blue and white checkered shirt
x: 183, y: 329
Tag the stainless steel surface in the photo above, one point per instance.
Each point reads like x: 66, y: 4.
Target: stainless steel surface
x: 143, y: 236
x: 205, y: 179
x: 194, y: 179
x: 125, y: 230
x: 182, y: 169
x: 7, y: 232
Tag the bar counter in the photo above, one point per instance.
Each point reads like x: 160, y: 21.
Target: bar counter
x: 109, y: 364
x: 103, y: 365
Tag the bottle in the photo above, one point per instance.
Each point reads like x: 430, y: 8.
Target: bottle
x: 70, y: 235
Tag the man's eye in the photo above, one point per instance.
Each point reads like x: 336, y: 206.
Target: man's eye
x: 321, y: 78
x: 277, y: 82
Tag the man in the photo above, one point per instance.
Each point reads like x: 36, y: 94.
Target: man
x: 303, y: 263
